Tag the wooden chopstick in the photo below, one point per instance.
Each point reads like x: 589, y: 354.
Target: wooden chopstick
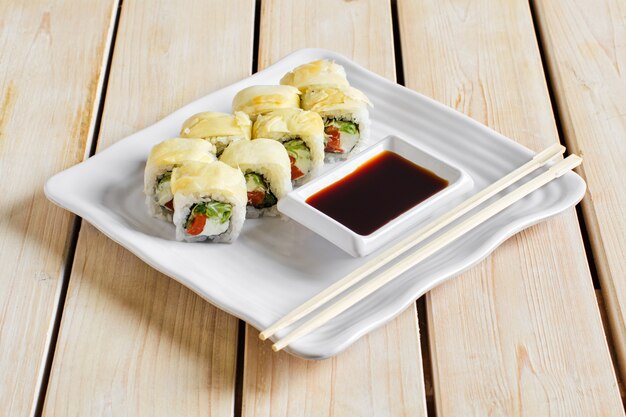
x: 446, y: 238
x: 415, y: 238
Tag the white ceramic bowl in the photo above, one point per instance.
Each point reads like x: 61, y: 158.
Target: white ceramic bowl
x: 294, y: 205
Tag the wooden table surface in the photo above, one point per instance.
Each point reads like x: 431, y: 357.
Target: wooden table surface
x: 86, y: 329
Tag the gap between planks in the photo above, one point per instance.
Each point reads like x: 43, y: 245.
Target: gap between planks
x: 421, y: 310
x: 90, y: 148
x: 241, y: 329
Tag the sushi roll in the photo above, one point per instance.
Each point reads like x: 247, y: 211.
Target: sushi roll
x: 266, y: 168
x: 346, y: 118
x: 302, y: 134
x: 218, y: 128
x: 261, y: 99
x: 209, y: 201
x: 320, y: 72
x: 163, y: 158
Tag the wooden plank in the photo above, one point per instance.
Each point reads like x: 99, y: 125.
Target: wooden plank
x: 585, y: 47
x: 381, y: 374
x: 49, y: 93
x: 519, y: 334
x: 361, y: 30
x: 611, y: 343
x: 134, y: 342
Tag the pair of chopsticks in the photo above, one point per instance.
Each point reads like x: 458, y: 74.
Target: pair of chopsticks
x: 420, y: 254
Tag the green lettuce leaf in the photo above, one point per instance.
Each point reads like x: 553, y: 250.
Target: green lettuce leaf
x: 346, y: 127
x: 212, y: 209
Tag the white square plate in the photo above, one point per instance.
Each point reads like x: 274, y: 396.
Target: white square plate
x: 276, y: 265
x: 295, y: 206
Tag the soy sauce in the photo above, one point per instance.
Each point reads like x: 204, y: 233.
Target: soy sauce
x: 377, y: 192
